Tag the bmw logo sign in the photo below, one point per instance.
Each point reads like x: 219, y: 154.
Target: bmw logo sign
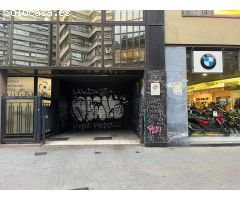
x: 208, y: 61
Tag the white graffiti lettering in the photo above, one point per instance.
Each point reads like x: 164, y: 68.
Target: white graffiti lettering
x: 92, y: 105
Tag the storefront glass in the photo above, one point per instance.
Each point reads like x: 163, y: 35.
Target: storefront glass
x: 214, y: 98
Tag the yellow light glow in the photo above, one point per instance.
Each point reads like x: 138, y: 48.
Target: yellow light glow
x: 213, y: 84
x: 227, y: 12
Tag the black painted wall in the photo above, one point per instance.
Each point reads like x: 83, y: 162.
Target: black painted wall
x: 155, y: 115
x: 155, y: 119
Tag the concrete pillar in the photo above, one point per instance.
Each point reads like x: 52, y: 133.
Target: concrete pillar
x: 177, y: 114
x: 3, y: 90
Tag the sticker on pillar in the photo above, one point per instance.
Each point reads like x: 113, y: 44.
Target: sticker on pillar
x: 207, y: 62
x: 177, y: 88
x: 155, y: 89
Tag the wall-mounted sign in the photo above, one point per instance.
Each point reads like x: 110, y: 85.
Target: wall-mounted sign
x: 207, y: 62
x: 155, y: 89
x: 177, y: 88
x: 20, y: 86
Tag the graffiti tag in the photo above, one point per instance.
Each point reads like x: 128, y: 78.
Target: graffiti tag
x: 154, y: 130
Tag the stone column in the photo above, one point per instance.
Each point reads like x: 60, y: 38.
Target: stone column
x: 177, y: 114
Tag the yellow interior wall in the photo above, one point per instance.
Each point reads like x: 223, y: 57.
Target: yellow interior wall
x: 211, y: 94
x: 200, y: 30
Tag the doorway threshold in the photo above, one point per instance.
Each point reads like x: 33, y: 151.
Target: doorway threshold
x: 114, y: 137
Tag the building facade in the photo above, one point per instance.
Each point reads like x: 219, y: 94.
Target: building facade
x: 128, y: 69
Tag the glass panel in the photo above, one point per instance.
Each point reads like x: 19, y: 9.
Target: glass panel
x: 5, y: 15
x: 44, y: 87
x: 128, y: 46
x: 108, y: 46
x: 34, y: 15
x: 124, y: 15
x: 215, y: 98
x: 20, y: 86
x: 53, y: 41
x: 4, y: 44
x: 32, y: 44
x: 80, y: 45
x: 80, y: 16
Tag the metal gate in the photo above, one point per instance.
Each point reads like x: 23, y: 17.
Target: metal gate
x: 25, y: 119
x: 47, y: 118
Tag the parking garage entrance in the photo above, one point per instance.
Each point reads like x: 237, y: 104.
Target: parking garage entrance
x: 98, y: 108
x: 82, y: 107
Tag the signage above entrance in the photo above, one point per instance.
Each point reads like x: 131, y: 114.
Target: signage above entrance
x: 207, y: 62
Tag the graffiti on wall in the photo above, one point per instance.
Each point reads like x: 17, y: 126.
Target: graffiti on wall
x: 97, y: 106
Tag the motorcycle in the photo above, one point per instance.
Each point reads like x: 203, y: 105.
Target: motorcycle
x: 206, y: 121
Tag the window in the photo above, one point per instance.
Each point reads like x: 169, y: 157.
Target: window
x: 82, y: 42
x: 39, y: 46
x: 20, y: 62
x: 21, y: 53
x: 124, y: 15
x: 81, y: 16
x: 214, y: 96
x: 21, y: 32
x: 38, y: 27
x: 128, y: 46
x: 22, y: 43
x: 39, y: 37
x: 4, y: 44
x: 78, y: 56
x: 38, y: 55
x: 38, y: 64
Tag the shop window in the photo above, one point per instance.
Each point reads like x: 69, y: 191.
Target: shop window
x: 213, y: 98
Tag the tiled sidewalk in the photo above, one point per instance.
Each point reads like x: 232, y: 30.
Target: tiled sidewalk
x: 119, y: 167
